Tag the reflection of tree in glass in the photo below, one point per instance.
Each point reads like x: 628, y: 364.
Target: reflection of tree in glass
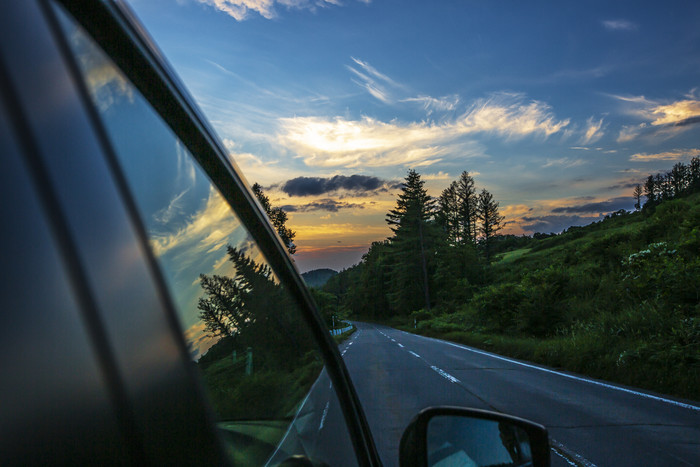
x: 254, y: 315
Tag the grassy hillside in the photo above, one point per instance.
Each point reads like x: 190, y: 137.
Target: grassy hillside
x: 618, y: 299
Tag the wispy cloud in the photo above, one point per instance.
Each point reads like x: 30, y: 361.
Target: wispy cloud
x: 619, y: 25
x: 564, y: 162
x: 433, y: 104
x: 339, y: 142
x: 241, y: 9
x: 511, y: 115
x: 664, y: 119
x: 677, y: 113
x: 675, y: 155
x: 593, y: 132
x: 442, y: 176
x: 373, y: 81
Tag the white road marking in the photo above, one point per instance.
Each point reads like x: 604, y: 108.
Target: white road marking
x: 445, y: 374
x: 400, y: 345
x: 414, y: 354
x: 577, y: 378
x: 323, y: 417
x: 578, y: 459
x: 566, y: 459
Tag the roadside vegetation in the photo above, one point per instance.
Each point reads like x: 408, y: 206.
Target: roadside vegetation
x: 618, y: 299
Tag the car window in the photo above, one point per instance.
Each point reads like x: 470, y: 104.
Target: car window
x: 258, y: 361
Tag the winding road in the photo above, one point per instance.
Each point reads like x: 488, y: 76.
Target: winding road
x: 590, y: 422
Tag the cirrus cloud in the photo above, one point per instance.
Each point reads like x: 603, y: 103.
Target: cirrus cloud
x: 339, y: 142
x: 675, y: 155
x: 240, y: 9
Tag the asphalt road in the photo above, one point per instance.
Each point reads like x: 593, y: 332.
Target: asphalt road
x: 590, y: 422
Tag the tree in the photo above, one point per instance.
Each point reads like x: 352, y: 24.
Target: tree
x: 677, y: 179
x: 650, y: 192
x: 491, y: 220
x: 467, y: 208
x: 637, y: 197
x: 278, y: 218
x: 447, y: 215
x: 413, y: 235
x: 694, y: 174
x: 250, y: 307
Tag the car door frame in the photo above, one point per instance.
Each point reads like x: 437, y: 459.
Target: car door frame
x: 32, y: 38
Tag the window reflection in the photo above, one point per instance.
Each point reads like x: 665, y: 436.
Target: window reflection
x: 243, y: 330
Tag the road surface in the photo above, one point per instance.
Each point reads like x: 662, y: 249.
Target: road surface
x: 590, y: 422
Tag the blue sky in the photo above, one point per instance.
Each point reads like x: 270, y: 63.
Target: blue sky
x: 557, y: 108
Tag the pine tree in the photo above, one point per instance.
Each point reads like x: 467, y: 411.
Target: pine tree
x: 447, y: 215
x: 410, y: 245
x: 650, y: 192
x: 467, y: 208
x: 491, y: 220
x: 637, y: 197
x: 278, y: 219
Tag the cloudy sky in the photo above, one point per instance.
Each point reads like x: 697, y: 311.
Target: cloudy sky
x: 557, y: 108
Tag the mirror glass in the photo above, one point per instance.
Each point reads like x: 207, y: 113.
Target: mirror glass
x: 466, y: 441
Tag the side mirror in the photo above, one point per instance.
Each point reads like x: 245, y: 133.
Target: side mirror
x: 445, y: 436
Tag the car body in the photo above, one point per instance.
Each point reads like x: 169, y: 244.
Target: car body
x: 123, y: 217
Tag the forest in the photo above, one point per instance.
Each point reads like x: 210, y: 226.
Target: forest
x: 618, y: 299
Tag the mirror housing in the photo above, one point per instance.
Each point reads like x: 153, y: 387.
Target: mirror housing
x: 472, y: 437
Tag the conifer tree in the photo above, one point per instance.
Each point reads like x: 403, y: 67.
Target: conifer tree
x: 413, y: 237
x: 491, y: 220
x: 467, y: 208
x: 278, y: 219
x: 637, y: 197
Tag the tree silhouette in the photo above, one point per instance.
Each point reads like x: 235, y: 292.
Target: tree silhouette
x: 278, y: 218
x: 413, y: 235
x: 490, y: 218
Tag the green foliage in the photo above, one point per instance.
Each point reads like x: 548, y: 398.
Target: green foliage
x: 617, y: 299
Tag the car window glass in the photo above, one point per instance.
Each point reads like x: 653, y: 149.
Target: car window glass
x: 258, y: 361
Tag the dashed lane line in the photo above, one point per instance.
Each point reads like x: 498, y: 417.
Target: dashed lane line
x: 323, y: 417
x: 445, y: 374
x: 577, y: 378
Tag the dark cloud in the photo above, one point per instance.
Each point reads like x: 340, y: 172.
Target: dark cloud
x: 688, y: 121
x: 329, y: 205
x: 314, y: 186
x: 624, y: 185
x: 615, y: 204
x: 555, y: 224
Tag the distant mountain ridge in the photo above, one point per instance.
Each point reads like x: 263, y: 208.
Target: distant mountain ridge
x: 318, y: 277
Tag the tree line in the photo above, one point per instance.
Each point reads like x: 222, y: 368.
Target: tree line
x: 435, y: 256
x: 681, y: 180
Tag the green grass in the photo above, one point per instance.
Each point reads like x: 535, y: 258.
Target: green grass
x: 510, y: 256
x: 611, y: 350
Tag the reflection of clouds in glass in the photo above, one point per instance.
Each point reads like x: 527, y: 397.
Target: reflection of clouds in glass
x: 198, y: 342
x: 105, y: 82
x: 186, y: 173
x: 205, y: 232
x: 172, y: 210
